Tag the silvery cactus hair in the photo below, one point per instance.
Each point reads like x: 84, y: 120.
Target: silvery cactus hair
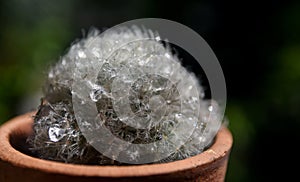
x: 142, y: 95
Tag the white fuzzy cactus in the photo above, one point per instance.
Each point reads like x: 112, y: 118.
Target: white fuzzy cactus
x: 142, y: 95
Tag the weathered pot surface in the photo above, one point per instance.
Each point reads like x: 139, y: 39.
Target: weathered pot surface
x: 16, y: 165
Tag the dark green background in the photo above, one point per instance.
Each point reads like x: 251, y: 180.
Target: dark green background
x: 257, y: 44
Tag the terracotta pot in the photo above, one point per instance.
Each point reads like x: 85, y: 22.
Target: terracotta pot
x: 17, y: 165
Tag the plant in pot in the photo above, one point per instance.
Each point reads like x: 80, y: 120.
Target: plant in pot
x: 118, y: 106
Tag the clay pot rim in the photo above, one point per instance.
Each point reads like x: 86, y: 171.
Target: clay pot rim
x: 219, y: 150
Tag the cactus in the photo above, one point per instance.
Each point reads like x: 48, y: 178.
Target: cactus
x: 142, y: 95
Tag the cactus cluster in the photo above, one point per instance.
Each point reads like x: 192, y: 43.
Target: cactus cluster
x: 142, y: 95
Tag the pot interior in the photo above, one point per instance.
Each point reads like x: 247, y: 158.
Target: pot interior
x: 18, y: 140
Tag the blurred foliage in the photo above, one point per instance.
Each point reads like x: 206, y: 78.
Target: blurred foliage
x: 33, y: 33
x: 257, y: 43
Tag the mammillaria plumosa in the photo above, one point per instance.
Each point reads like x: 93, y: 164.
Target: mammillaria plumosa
x: 143, y: 96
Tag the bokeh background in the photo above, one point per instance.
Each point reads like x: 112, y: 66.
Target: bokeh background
x: 257, y: 44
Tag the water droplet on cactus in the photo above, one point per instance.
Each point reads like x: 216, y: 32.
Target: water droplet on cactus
x: 81, y: 54
x: 210, y: 108
x: 56, y: 134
